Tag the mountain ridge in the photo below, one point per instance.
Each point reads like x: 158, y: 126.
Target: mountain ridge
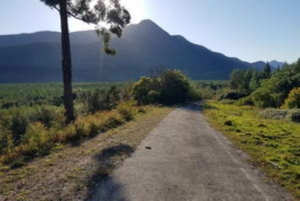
x: 143, y: 47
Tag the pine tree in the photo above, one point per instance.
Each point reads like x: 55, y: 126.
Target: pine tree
x: 110, y: 12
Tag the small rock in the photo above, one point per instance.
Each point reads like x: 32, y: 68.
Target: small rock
x: 148, y: 148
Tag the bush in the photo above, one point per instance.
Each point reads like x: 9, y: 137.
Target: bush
x: 293, y: 99
x: 175, y: 87
x: 232, y: 96
x: 37, y: 137
x: 294, y: 116
x: 245, y: 101
x: 171, y: 87
x: 278, y: 114
x: 126, y: 110
x: 147, y: 90
x: 6, y: 141
x: 100, y: 99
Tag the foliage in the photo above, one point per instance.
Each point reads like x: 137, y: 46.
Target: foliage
x: 32, y: 128
x: 170, y: 87
x: 293, y: 99
x: 272, y: 144
x: 147, y: 90
x: 240, y: 80
x: 126, y: 110
x: 267, y: 89
x: 100, y: 99
x: 175, y: 87
x: 111, y: 12
x: 275, y: 90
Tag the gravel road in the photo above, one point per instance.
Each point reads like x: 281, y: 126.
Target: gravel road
x: 183, y: 158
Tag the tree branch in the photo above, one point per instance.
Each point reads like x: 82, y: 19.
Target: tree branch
x: 74, y: 16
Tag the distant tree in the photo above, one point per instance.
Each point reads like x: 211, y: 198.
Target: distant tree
x: 108, y: 11
x: 267, y: 71
x: 240, y: 80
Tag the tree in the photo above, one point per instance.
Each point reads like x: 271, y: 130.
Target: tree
x: 108, y: 11
x: 267, y: 71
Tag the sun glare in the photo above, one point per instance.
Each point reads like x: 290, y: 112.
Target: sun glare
x: 136, y: 8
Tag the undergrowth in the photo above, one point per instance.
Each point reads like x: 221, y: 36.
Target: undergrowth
x: 39, y: 139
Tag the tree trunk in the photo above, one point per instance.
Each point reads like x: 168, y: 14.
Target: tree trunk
x: 66, y: 62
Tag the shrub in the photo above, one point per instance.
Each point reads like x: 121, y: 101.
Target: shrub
x: 6, y: 141
x: 147, y: 90
x: 19, y: 123
x: 126, y: 110
x: 278, y: 114
x: 175, y: 87
x: 232, y: 96
x: 245, y: 101
x: 37, y: 137
x: 293, y: 99
x: 294, y: 116
x: 43, y: 114
x: 100, y: 99
x: 171, y: 87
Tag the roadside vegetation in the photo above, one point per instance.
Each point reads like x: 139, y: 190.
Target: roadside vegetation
x: 259, y: 111
x: 111, y: 120
x: 32, y: 123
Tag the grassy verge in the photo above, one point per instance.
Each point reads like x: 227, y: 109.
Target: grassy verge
x: 72, y: 172
x: 274, y: 145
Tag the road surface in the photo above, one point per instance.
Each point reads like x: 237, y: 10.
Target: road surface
x: 183, y: 158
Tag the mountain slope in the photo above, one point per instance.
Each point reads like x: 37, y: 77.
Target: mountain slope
x: 142, y: 48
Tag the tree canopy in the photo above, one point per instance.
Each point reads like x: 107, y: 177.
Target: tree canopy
x: 111, y: 12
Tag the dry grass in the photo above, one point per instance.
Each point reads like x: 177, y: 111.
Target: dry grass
x: 72, y: 172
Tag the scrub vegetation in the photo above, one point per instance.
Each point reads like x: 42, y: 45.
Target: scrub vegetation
x: 111, y: 120
x: 259, y: 111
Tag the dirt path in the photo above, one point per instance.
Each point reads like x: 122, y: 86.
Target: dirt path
x: 183, y: 158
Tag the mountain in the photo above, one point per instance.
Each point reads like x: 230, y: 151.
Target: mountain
x: 143, y: 48
x: 259, y: 65
x: 277, y: 64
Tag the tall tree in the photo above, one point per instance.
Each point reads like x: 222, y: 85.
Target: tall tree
x: 110, y: 12
x: 267, y: 71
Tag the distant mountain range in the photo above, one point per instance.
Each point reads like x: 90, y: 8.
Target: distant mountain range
x: 143, y: 48
x: 274, y: 64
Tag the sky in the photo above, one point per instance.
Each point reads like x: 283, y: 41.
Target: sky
x: 251, y: 30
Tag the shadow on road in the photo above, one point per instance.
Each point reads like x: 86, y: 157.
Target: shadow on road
x: 101, y: 186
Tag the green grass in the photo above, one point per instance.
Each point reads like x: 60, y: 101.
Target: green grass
x: 274, y: 145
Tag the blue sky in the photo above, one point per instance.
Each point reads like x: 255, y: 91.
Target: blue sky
x: 251, y: 30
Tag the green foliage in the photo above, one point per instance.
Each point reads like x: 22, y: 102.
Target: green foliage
x: 272, y: 144
x: 112, y: 13
x: 274, y: 91
x: 240, y: 80
x: 267, y: 71
x: 147, y: 90
x: 293, y: 99
x: 31, y: 124
x: 175, y: 87
x: 170, y: 87
x: 6, y: 140
x: 36, y: 137
x: 126, y: 110
x: 100, y: 99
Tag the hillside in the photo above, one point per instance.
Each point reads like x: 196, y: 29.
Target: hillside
x: 142, y: 48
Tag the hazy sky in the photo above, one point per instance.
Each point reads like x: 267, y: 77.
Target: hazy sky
x: 251, y: 30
